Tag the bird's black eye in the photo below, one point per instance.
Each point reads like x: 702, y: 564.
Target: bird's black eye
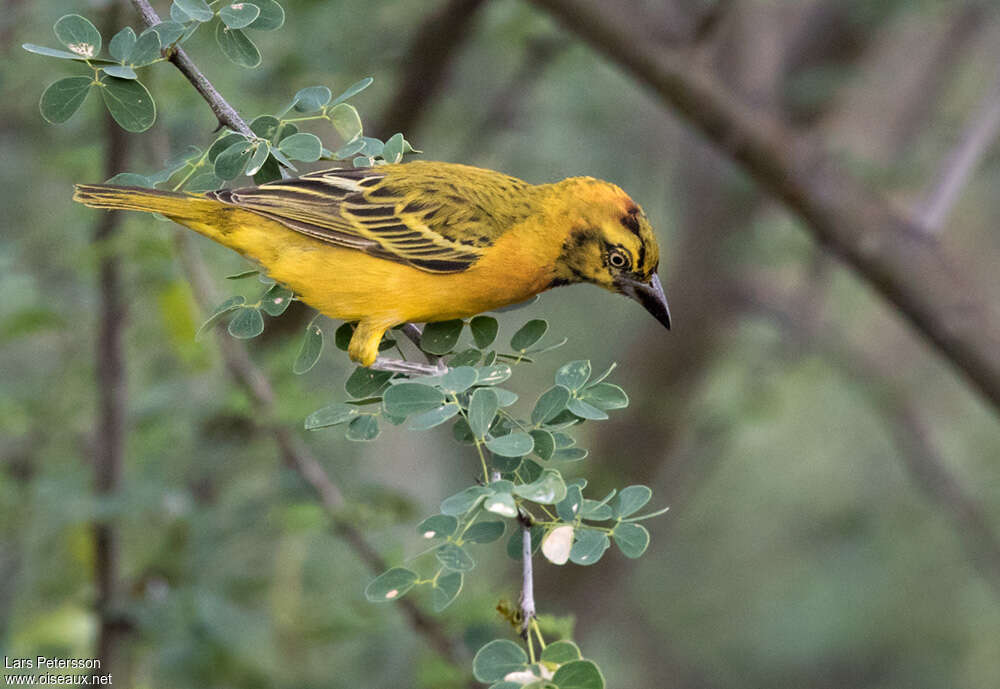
x: 618, y: 259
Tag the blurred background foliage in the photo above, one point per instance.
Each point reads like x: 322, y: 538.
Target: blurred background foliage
x: 820, y: 461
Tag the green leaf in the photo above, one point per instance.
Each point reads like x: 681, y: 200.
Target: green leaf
x: 247, y: 324
x: 560, y: 652
x: 223, y: 143
x: 605, y: 396
x: 584, y: 410
x: 268, y: 172
x: 130, y: 179
x: 239, y: 15
x: 311, y: 99
x: 578, y: 674
x: 589, y: 546
x: 411, y: 398
x: 203, y: 181
x: 497, y: 659
x: 196, y: 9
x: 346, y: 121
x: 544, y: 443
x: 530, y: 333
x: 595, y: 510
x: 502, y: 504
x: 548, y: 489
x: 272, y: 16
x: 145, y: 51
x: 179, y: 15
x: 120, y: 71
x: 63, y: 98
x: 232, y: 161
x: 221, y: 310
x: 631, y: 539
x: 483, y: 407
x: 484, y: 330
x: 550, y: 403
x: 52, y: 52
x: 463, y: 501
x: 574, y: 374
x: 446, y: 590
x: 393, y: 151
x: 302, y: 146
x: 373, y: 147
x: 350, y: 149
x: 276, y: 300
x: 631, y: 499
x: 260, y: 156
x: 79, y: 35
x: 441, y: 337
x: 570, y: 454
x: 129, y: 103
x: 515, y: 444
x: 342, y: 336
x: 469, y: 357
x: 434, y: 417
x: 332, y: 415
x: 363, y: 429
x: 236, y: 46
x: 168, y: 32
x: 253, y: 272
x: 365, y: 382
x: 352, y: 90
x: 568, y: 508
x: 505, y: 397
x: 455, y: 558
x: 390, y: 585
x: 438, y: 526
x: 309, y: 351
x: 458, y: 379
x: 121, y: 44
x: 492, y: 375
x: 484, y: 532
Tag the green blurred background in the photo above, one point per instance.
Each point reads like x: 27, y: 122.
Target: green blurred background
x: 834, y: 486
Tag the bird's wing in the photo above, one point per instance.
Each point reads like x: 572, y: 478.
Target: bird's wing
x: 403, y: 217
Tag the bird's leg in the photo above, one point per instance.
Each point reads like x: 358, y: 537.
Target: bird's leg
x: 409, y: 367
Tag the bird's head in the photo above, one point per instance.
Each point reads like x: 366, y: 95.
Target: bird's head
x: 610, y: 244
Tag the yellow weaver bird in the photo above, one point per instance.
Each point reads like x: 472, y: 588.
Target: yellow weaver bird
x: 419, y: 242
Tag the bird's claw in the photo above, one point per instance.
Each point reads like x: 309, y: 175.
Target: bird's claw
x: 410, y: 367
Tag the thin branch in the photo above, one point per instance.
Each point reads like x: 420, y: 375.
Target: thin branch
x: 979, y: 135
x: 528, y: 611
x: 224, y: 112
x: 925, y: 282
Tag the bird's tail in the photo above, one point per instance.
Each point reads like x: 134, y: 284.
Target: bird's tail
x: 175, y: 205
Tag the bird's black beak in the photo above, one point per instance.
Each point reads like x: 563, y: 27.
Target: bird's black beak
x: 650, y: 295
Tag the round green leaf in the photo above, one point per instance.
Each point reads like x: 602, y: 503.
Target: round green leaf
x: 309, y: 351
x: 247, y: 324
x: 257, y: 160
x: 589, y: 546
x: 560, y: 652
x: 302, y: 146
x: 501, y: 504
x: 363, y: 428
x: 434, y: 417
x: 168, y: 32
x: 578, y: 674
x: 568, y: 508
x: 484, y: 532
x: 129, y: 103
x: 311, y: 99
x: 365, y: 382
x: 196, y: 9
x: 121, y: 44
x: 145, y: 50
x: 494, y: 374
x: 203, y: 181
x: 484, y: 330
x: 239, y: 15
x: 544, y: 443
x: 221, y: 310
x: 631, y: 539
x: 276, y: 301
x: 530, y: 333
x: 550, y: 403
x: 332, y: 415
x: 455, y: 558
x: 465, y: 500
x: 458, y: 379
x: 446, y: 590
x: 605, y: 396
x: 353, y: 89
x: 342, y: 336
x: 232, y: 161
x: 130, y: 179
x: 584, y: 410
x: 411, y: 398
x: 346, y: 121
x: 631, y: 499
x: 483, y: 407
x: 236, y: 46
x: 468, y: 357
x: 497, y: 659
x: 268, y: 172
x: 390, y: 585
x: 63, y: 98
x: 515, y: 444
x: 120, y: 71
x: 79, y: 35
x: 595, y: 510
x: 505, y: 397
x: 438, y: 526
x: 569, y: 454
x: 441, y: 337
x: 272, y: 16
x: 393, y: 150
x: 574, y: 374
x: 547, y: 489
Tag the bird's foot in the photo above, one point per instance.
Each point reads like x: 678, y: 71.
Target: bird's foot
x: 410, y: 367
